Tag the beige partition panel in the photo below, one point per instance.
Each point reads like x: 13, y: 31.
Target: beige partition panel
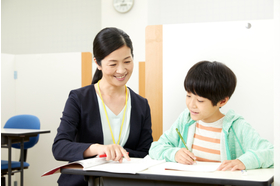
x: 86, y: 63
x: 142, y: 79
x: 153, y: 76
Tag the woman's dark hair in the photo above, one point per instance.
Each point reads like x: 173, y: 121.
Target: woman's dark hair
x: 211, y: 80
x: 106, y: 41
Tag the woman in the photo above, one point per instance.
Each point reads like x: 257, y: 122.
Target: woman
x: 105, y: 117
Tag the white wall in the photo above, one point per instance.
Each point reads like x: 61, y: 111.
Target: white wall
x: 8, y: 87
x: 189, y: 11
x: 39, y: 26
x: 243, y: 50
x: 276, y: 68
x: 133, y: 23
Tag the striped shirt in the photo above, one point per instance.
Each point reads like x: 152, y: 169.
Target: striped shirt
x: 206, y: 143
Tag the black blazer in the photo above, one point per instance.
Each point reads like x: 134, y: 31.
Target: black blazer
x: 81, y: 126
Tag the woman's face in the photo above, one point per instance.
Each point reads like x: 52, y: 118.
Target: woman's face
x: 117, y: 67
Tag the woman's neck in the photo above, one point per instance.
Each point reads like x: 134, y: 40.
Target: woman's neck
x: 107, y: 89
x: 114, y: 97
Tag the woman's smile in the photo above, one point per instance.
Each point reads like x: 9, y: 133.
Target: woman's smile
x: 121, y: 78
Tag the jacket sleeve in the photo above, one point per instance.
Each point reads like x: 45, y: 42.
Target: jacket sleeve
x: 258, y: 152
x: 168, y: 144
x: 64, y: 147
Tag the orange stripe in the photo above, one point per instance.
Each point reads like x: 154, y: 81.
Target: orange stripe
x: 203, y: 138
x: 204, y: 159
x: 205, y: 149
x: 209, y: 128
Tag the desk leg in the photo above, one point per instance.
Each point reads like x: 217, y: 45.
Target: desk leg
x: 21, y: 161
x: 9, y: 161
x: 91, y: 180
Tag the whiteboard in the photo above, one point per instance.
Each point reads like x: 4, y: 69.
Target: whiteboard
x: 244, y: 46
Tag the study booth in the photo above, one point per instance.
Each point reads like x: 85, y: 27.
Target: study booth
x: 246, y: 47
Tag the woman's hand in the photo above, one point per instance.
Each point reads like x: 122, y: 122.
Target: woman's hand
x: 231, y: 165
x: 184, y: 156
x: 113, y: 152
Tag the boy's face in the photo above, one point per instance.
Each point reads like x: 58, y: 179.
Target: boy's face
x: 202, y: 109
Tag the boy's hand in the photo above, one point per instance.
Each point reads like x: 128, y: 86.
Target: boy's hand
x: 184, y: 156
x: 231, y: 165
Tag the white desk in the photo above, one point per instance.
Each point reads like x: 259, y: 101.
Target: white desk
x: 155, y: 176
x: 10, y: 136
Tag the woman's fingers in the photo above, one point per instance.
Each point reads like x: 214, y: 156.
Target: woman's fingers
x: 118, y: 154
x: 115, y: 152
x: 125, y: 154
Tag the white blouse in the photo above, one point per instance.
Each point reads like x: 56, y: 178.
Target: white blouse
x: 116, y: 122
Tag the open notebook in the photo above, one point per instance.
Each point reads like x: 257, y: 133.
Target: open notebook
x: 101, y: 164
x: 135, y: 165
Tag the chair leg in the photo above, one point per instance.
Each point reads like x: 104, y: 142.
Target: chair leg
x: 3, y: 181
x: 21, y: 161
x: 24, y: 155
x: 9, y: 161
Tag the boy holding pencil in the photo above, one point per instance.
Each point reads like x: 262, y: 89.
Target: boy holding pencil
x: 209, y: 134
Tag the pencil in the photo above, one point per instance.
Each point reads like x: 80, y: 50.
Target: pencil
x: 183, y: 141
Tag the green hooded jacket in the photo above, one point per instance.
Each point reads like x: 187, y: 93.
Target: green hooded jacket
x: 238, y: 141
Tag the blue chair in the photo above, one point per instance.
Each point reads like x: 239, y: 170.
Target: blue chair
x: 20, y: 122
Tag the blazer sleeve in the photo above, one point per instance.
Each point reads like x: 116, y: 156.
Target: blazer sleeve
x: 65, y: 147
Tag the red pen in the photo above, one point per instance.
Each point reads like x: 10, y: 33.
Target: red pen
x: 104, y: 155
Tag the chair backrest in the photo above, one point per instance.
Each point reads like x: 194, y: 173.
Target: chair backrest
x: 24, y: 122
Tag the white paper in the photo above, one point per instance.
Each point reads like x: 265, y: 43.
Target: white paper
x: 133, y: 166
x: 91, y: 162
x: 101, y: 164
x: 198, y: 167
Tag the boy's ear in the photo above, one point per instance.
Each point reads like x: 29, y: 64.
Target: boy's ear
x: 99, y: 67
x: 223, y: 102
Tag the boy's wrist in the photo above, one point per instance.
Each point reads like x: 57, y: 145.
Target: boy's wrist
x: 173, y: 153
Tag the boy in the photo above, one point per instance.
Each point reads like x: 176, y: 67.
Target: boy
x: 209, y: 134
